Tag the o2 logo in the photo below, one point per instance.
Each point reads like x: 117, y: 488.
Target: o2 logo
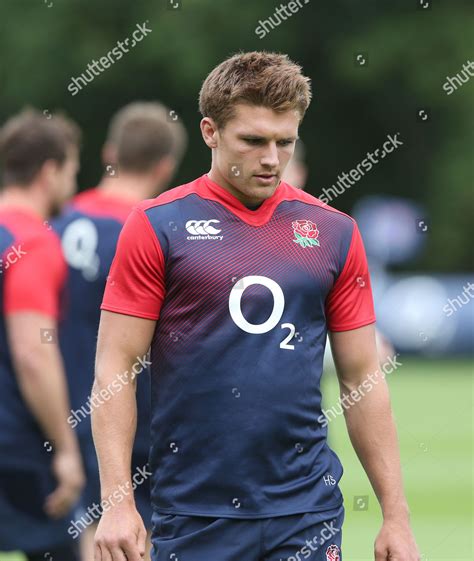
x: 79, y: 242
x: 235, y: 309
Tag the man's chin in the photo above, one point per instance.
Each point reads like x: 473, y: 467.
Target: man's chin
x: 261, y: 186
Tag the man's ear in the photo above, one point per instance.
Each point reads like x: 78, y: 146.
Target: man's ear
x: 209, y: 132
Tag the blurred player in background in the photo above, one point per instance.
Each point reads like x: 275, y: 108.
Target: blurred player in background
x: 143, y: 148
x: 41, y: 475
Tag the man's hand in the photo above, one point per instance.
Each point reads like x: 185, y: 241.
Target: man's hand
x: 67, y: 468
x: 396, y: 542
x: 121, y: 535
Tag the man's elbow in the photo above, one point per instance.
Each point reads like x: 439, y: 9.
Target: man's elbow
x: 113, y: 377
x: 31, y: 362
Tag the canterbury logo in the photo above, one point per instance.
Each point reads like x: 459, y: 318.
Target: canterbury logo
x: 201, y: 227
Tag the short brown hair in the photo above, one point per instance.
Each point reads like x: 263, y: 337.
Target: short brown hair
x: 143, y: 133
x: 258, y: 78
x: 29, y: 139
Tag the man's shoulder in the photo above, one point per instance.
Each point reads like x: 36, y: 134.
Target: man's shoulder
x: 97, y: 206
x: 170, y: 196
x: 293, y: 193
x: 30, y: 228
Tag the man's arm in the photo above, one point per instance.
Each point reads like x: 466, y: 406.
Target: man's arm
x: 31, y: 301
x: 121, y: 342
x: 42, y: 383
x: 131, y: 306
x: 372, y: 431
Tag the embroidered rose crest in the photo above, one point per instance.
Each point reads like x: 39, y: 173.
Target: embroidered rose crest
x: 306, y: 233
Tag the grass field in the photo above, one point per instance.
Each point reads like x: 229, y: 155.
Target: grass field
x: 433, y: 406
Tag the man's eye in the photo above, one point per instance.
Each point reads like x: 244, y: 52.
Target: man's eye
x: 252, y: 140
x: 285, y: 142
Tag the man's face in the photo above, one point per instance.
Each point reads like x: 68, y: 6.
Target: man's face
x: 64, y: 180
x: 253, y: 149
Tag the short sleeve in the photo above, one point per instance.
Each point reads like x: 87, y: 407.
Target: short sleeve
x: 136, y: 282
x: 36, y: 280
x: 349, y: 304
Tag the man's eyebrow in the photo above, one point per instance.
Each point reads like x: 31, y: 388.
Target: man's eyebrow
x: 258, y: 137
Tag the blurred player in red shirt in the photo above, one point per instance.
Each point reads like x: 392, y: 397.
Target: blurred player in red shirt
x: 143, y: 148
x: 41, y: 473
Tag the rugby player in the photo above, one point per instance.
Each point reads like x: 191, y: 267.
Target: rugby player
x: 234, y: 279
x: 140, y: 155
x: 41, y: 474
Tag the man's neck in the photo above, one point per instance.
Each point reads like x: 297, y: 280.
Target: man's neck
x: 131, y: 188
x: 253, y: 206
x: 216, y: 177
x: 25, y: 198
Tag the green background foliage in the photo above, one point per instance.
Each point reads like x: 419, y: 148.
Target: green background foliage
x: 410, y: 53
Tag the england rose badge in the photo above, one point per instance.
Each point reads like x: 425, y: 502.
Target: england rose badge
x: 306, y: 233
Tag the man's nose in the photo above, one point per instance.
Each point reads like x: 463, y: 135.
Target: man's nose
x: 270, y: 156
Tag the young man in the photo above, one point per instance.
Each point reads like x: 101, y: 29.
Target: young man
x: 142, y: 150
x: 40, y: 468
x: 234, y: 279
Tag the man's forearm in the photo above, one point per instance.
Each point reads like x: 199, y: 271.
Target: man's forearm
x: 41, y: 380
x: 114, y: 423
x: 373, y: 434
